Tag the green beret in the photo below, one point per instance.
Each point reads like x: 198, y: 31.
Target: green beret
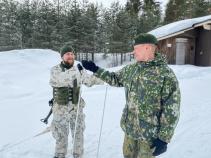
x: 66, y: 48
x: 145, y: 38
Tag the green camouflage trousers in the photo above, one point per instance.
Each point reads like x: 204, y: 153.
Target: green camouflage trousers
x: 63, y: 119
x: 136, y: 148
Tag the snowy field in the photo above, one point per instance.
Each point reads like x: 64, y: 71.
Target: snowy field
x: 24, y: 95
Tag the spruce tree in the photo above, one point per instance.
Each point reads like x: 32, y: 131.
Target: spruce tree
x: 175, y: 10
x: 150, y: 16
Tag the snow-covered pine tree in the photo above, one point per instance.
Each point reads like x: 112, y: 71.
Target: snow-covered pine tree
x: 185, y: 9
x: 25, y: 24
x: 150, y: 16
x: 10, y: 39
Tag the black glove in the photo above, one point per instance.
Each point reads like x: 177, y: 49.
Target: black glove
x: 160, y: 147
x: 89, y: 65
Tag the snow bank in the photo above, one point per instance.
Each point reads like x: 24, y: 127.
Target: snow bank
x: 25, y: 92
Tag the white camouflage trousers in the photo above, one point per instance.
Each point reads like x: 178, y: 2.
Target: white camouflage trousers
x: 64, y: 118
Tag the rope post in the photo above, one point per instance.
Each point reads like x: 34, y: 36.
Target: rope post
x: 77, y: 114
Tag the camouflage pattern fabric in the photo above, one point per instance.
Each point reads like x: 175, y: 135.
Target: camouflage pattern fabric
x: 152, y: 98
x: 64, y: 116
x: 136, y: 148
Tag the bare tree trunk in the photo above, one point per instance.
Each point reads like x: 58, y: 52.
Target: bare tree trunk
x: 121, y: 58
x: 113, y: 63
x: 93, y: 57
x: 79, y: 56
x: 116, y: 59
x: 131, y: 56
x: 87, y: 55
x: 125, y: 56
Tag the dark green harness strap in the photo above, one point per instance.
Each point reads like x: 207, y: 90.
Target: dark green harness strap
x: 62, y: 95
x: 76, y: 90
x: 62, y: 67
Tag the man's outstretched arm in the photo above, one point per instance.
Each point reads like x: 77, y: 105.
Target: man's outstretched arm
x: 112, y: 78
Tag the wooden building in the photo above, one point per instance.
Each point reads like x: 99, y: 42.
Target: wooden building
x: 186, y: 41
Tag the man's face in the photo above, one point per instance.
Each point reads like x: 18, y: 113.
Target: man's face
x: 69, y: 57
x: 142, y: 52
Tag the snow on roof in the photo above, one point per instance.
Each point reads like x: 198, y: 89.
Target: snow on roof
x: 179, y: 26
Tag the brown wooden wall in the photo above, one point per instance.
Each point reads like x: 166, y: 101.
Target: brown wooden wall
x: 170, y: 52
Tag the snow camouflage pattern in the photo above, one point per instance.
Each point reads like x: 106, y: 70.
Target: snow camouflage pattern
x: 64, y: 116
x: 152, y: 98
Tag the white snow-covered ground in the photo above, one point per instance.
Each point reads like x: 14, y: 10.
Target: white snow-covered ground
x: 24, y: 95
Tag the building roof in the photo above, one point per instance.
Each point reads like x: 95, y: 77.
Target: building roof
x: 179, y: 27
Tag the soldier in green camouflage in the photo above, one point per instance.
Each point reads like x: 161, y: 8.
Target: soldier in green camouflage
x: 152, y: 99
x: 66, y: 80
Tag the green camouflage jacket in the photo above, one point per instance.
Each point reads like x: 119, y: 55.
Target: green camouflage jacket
x: 61, y: 77
x: 152, y: 98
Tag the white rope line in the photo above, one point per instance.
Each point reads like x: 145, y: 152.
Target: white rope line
x: 101, y: 127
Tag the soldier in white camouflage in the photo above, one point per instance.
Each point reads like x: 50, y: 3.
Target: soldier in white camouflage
x: 152, y: 99
x: 66, y: 80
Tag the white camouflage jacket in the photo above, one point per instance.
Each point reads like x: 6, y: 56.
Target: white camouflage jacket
x: 64, y: 78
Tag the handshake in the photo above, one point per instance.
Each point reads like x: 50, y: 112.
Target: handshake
x: 89, y: 65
